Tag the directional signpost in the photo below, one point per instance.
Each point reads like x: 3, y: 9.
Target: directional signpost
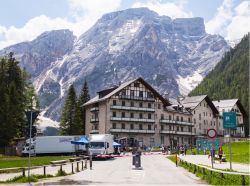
x: 229, y: 122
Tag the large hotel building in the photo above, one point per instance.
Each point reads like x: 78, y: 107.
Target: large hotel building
x: 136, y: 114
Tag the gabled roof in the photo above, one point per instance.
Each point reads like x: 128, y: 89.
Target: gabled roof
x: 192, y: 102
x: 228, y: 104
x: 122, y: 86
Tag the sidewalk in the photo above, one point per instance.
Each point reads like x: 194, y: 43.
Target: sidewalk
x: 204, y: 160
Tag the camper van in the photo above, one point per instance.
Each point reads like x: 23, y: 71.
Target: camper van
x: 101, y: 144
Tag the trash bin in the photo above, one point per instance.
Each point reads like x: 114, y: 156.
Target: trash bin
x: 137, y: 160
x: 133, y: 159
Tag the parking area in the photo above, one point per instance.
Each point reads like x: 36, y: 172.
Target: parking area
x: 156, y: 170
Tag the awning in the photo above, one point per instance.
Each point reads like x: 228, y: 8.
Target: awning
x: 116, y: 144
x: 82, y: 141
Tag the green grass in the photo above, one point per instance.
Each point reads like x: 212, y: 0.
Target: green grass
x: 11, y: 162
x: 240, y: 152
x: 211, y: 177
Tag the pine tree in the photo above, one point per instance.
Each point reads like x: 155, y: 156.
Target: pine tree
x: 83, y: 98
x: 70, y: 120
x: 13, y: 89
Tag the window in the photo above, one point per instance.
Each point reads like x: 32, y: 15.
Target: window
x: 204, y: 122
x: 199, y: 116
x: 199, y: 125
x: 194, y: 111
x: 211, y: 123
x: 177, y: 118
x: 181, y: 129
x: 194, y: 130
x: 159, y: 106
x: 123, y: 92
x: 140, y: 126
x: 140, y: 115
x: 132, y: 104
x: 204, y: 113
x: 169, y: 117
x: 189, y: 129
x: 149, y: 116
x: 214, y: 123
x: 149, y: 127
x: 123, y: 126
x: 114, y: 114
x: 123, y: 103
x: 194, y: 121
x: 132, y: 115
x: 114, y: 102
x: 131, y: 126
x: 162, y: 127
x: 177, y: 128
x: 137, y: 85
x: 123, y: 114
x: 181, y: 118
x: 162, y: 116
x: 162, y: 140
x: 189, y: 120
x: 114, y: 126
x: 132, y: 93
x: 140, y: 93
x: 149, y: 95
x: 204, y: 104
x: 169, y: 127
x: 149, y: 105
x: 140, y: 104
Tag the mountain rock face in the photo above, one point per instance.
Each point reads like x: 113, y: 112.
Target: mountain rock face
x: 172, y: 55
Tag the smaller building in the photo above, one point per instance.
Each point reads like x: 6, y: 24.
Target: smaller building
x: 205, y: 114
x: 233, y: 105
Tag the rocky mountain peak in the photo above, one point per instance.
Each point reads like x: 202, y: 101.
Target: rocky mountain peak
x: 172, y: 55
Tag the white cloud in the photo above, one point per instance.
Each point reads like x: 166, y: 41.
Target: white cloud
x: 230, y: 22
x: 173, y: 10
x: 84, y: 13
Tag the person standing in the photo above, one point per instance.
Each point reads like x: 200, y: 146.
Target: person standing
x: 220, y: 153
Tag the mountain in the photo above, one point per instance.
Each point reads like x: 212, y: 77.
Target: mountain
x: 172, y: 55
x: 230, y: 77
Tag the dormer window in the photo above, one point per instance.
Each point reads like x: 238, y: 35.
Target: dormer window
x: 137, y: 85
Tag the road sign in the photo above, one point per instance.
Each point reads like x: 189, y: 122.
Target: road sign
x: 204, y: 144
x: 229, y: 120
x: 211, y: 133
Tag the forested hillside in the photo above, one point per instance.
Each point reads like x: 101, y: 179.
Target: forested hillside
x: 230, y: 77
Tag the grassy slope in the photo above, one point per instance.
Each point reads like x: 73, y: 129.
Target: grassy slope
x: 240, y: 152
x: 9, y: 162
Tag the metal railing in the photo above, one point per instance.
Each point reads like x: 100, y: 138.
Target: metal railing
x: 132, y: 108
x: 132, y: 131
x: 132, y: 119
x: 176, y: 122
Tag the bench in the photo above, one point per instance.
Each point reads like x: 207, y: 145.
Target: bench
x: 59, y: 162
x: 75, y: 159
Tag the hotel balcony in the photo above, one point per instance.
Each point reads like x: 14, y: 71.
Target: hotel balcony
x: 136, y: 98
x: 132, y: 131
x: 93, y: 109
x: 176, y: 132
x: 132, y: 119
x: 93, y: 120
x: 118, y: 107
x: 176, y: 122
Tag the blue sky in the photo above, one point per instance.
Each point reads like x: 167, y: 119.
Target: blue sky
x: 22, y: 20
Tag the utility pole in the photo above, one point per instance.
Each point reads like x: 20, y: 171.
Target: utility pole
x: 30, y: 141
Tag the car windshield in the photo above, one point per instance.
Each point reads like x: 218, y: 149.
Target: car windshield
x: 96, y: 144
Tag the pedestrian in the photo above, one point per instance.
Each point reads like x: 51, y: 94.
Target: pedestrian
x: 185, y: 149
x: 220, y: 153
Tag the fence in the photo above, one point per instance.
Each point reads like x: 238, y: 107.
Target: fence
x: 69, y: 168
x: 216, y: 177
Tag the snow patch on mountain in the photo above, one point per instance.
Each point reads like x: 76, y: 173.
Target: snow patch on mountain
x: 188, y: 83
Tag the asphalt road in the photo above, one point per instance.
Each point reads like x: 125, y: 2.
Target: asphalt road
x: 156, y: 170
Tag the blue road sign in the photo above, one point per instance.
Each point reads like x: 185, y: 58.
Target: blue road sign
x: 229, y: 120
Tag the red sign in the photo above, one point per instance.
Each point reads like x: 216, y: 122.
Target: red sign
x: 211, y: 133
